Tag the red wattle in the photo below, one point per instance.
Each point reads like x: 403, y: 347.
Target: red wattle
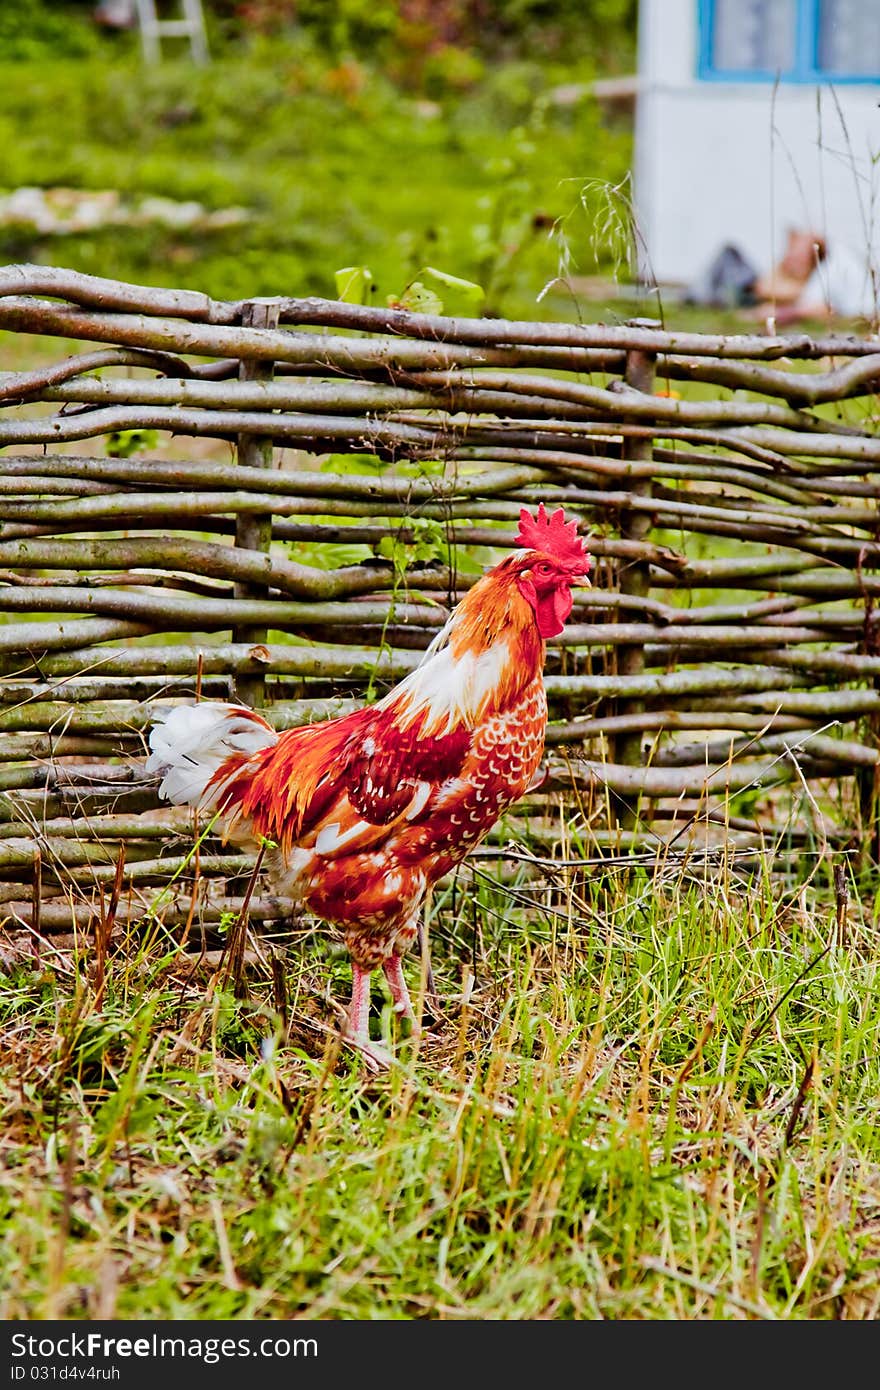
x: 552, y: 610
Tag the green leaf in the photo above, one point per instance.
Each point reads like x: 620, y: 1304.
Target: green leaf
x: 419, y: 468
x: 418, y: 299
x: 332, y: 555
x: 466, y: 562
x: 353, y: 463
x: 121, y: 444
x: 324, y: 555
x: 460, y: 297
x: 427, y: 544
x: 353, y: 284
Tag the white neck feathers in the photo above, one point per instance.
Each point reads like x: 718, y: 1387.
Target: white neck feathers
x: 445, y: 692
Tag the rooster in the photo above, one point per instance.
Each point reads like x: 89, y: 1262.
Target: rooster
x: 364, y: 812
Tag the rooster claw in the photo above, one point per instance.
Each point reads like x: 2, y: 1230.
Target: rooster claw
x: 376, y: 1056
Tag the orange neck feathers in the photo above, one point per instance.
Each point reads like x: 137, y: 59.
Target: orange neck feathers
x: 495, y: 610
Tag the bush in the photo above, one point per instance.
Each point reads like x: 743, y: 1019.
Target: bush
x: 40, y: 29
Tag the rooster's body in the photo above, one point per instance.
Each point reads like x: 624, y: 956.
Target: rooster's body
x: 367, y: 811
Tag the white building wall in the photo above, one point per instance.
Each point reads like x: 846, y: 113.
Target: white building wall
x: 720, y: 162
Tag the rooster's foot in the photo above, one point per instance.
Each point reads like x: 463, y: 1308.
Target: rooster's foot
x: 355, y: 1027
x: 377, y: 1057
x: 413, y: 1029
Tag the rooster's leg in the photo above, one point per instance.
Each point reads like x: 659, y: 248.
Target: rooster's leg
x: 431, y: 994
x: 357, y: 1026
x: 359, y: 1008
x: 393, y: 969
x: 397, y: 984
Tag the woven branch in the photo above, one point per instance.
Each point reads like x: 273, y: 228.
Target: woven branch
x: 755, y: 666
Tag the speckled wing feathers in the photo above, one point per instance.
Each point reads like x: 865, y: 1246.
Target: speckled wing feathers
x: 322, y: 773
x: 387, y: 763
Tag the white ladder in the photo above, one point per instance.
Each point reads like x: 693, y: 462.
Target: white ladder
x: 190, y: 24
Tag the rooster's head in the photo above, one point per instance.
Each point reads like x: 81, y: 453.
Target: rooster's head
x: 555, y: 559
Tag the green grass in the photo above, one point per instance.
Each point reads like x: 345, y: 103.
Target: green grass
x: 653, y: 1097
x: 335, y: 165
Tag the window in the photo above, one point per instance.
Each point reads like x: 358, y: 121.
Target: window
x: 792, y: 40
x: 848, y: 39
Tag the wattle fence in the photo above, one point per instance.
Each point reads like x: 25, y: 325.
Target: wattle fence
x: 324, y: 481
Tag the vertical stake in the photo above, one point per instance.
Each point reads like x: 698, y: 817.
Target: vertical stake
x: 635, y: 578
x: 254, y: 532
x: 37, y: 905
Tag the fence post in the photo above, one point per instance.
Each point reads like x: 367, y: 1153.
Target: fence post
x: 635, y: 577
x: 254, y: 532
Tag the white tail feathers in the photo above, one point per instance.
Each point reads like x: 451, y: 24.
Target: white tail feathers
x: 189, y: 743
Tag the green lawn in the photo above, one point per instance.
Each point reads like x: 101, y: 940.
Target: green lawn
x: 334, y: 166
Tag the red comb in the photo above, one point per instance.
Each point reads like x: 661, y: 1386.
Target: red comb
x: 555, y: 536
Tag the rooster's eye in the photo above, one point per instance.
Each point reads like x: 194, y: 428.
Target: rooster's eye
x: 545, y: 568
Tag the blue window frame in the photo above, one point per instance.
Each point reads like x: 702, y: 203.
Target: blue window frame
x: 789, y: 40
